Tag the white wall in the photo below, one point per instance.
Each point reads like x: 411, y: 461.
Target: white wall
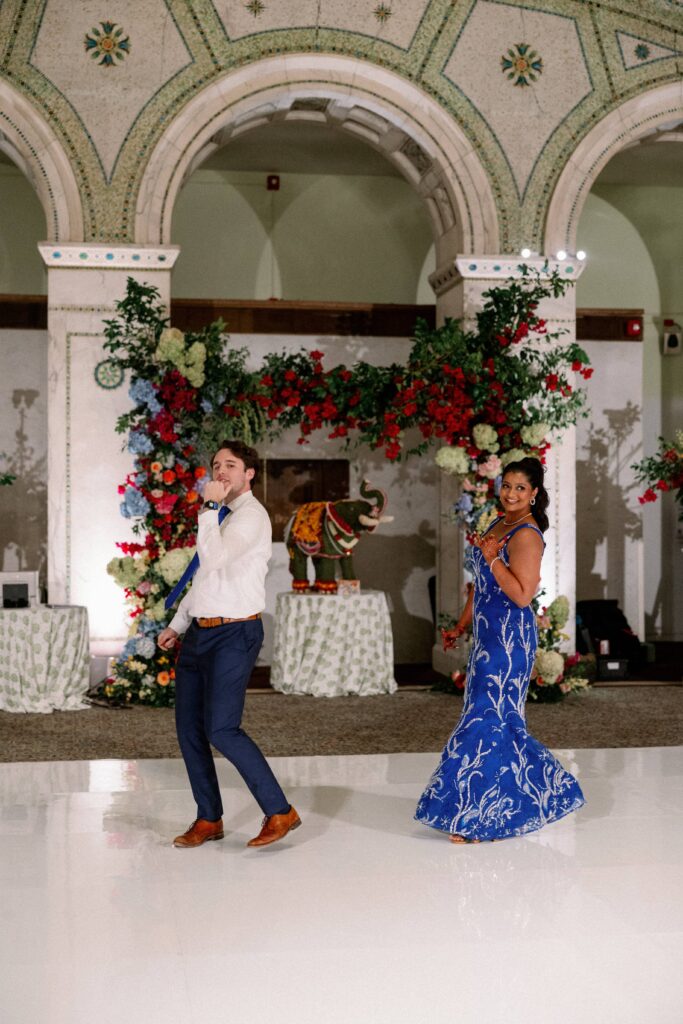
x: 337, y: 238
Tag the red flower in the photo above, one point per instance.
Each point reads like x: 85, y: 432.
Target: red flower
x: 290, y: 375
x: 345, y: 374
x: 316, y: 356
x: 165, y: 503
x: 392, y: 429
x: 168, y: 476
x: 551, y: 382
x: 587, y: 373
x: 662, y: 485
x: 577, y: 364
x: 410, y: 409
x: 266, y: 381
x: 393, y: 450
x: 294, y: 398
x: 648, y: 496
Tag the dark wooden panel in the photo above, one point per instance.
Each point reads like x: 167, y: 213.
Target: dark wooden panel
x: 284, y: 484
x: 608, y: 324
x: 273, y: 317
x: 28, y: 312
x: 287, y: 317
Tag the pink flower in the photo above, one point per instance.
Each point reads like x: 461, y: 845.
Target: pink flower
x: 491, y: 468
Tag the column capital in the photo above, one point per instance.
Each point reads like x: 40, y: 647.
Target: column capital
x: 100, y: 256
x: 499, y: 268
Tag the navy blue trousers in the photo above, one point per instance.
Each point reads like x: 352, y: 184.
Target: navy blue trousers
x: 212, y: 673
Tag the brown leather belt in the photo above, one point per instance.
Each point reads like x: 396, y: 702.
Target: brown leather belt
x: 209, y: 623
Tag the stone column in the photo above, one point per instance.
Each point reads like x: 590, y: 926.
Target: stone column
x: 459, y: 287
x: 86, y: 461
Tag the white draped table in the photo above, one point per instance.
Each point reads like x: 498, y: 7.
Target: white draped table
x: 44, y: 659
x: 333, y: 645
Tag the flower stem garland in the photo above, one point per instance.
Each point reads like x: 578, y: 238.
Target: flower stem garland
x: 483, y: 394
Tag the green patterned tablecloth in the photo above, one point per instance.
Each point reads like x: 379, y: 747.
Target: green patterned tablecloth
x: 44, y: 659
x: 332, y: 645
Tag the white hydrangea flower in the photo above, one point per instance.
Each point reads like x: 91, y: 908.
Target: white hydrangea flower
x: 514, y: 455
x: 485, y: 437
x: 549, y: 665
x: 127, y: 571
x: 535, y: 433
x: 453, y: 460
x: 558, y: 611
x: 173, y: 564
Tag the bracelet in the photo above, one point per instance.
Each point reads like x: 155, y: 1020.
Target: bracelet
x: 496, y: 559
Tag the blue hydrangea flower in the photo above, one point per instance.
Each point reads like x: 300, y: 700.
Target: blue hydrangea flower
x: 133, y: 504
x: 145, y: 647
x: 206, y: 405
x: 496, y: 484
x: 147, y: 627
x: 464, y: 503
x: 129, y: 649
x: 139, y: 443
x: 142, y: 392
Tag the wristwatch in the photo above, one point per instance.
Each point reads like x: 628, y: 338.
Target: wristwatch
x: 213, y: 505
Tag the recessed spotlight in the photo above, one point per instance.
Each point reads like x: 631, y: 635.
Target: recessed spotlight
x: 561, y: 254
x: 525, y: 253
x: 580, y: 255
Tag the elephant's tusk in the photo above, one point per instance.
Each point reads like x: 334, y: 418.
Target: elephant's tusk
x: 368, y: 521
x: 386, y: 519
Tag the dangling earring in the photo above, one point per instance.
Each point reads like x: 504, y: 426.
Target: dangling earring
x: 533, y: 501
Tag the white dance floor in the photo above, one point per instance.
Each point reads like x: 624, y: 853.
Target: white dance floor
x: 360, y: 917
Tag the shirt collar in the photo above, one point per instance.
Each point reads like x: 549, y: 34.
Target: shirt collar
x: 241, y: 500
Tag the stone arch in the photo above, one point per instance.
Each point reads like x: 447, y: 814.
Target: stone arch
x: 388, y: 112
x: 626, y: 124
x: 30, y: 142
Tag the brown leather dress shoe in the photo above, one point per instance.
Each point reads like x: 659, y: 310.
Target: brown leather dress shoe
x: 276, y: 827
x: 200, y: 831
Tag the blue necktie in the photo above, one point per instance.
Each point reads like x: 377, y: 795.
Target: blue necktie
x: 191, y: 569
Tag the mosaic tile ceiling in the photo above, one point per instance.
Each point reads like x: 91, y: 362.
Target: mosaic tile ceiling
x: 524, y: 81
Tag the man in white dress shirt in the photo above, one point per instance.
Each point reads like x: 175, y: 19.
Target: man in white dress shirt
x: 221, y: 620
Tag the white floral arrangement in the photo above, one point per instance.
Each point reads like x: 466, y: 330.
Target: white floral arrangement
x: 549, y: 665
x: 189, y: 362
x: 535, y: 434
x: 485, y: 437
x: 453, y: 460
x: 128, y: 571
x: 173, y: 564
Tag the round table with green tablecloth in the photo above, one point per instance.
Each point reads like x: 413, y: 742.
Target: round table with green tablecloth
x: 44, y: 659
x: 333, y: 645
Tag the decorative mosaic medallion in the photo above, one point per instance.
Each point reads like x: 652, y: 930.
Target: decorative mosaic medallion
x: 382, y: 12
x: 642, y: 51
x: 255, y: 7
x: 107, y: 46
x: 108, y: 375
x: 521, y: 64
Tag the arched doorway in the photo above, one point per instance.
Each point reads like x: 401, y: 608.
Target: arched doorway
x: 302, y: 210
x: 383, y: 109
x: 620, y: 199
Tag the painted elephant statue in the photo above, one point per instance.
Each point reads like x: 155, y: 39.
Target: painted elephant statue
x: 327, y: 532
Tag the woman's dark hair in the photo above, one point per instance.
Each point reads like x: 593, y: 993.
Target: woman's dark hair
x: 534, y: 472
x: 249, y: 456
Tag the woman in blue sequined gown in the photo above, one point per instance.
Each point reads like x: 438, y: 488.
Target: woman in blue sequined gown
x: 494, y: 780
